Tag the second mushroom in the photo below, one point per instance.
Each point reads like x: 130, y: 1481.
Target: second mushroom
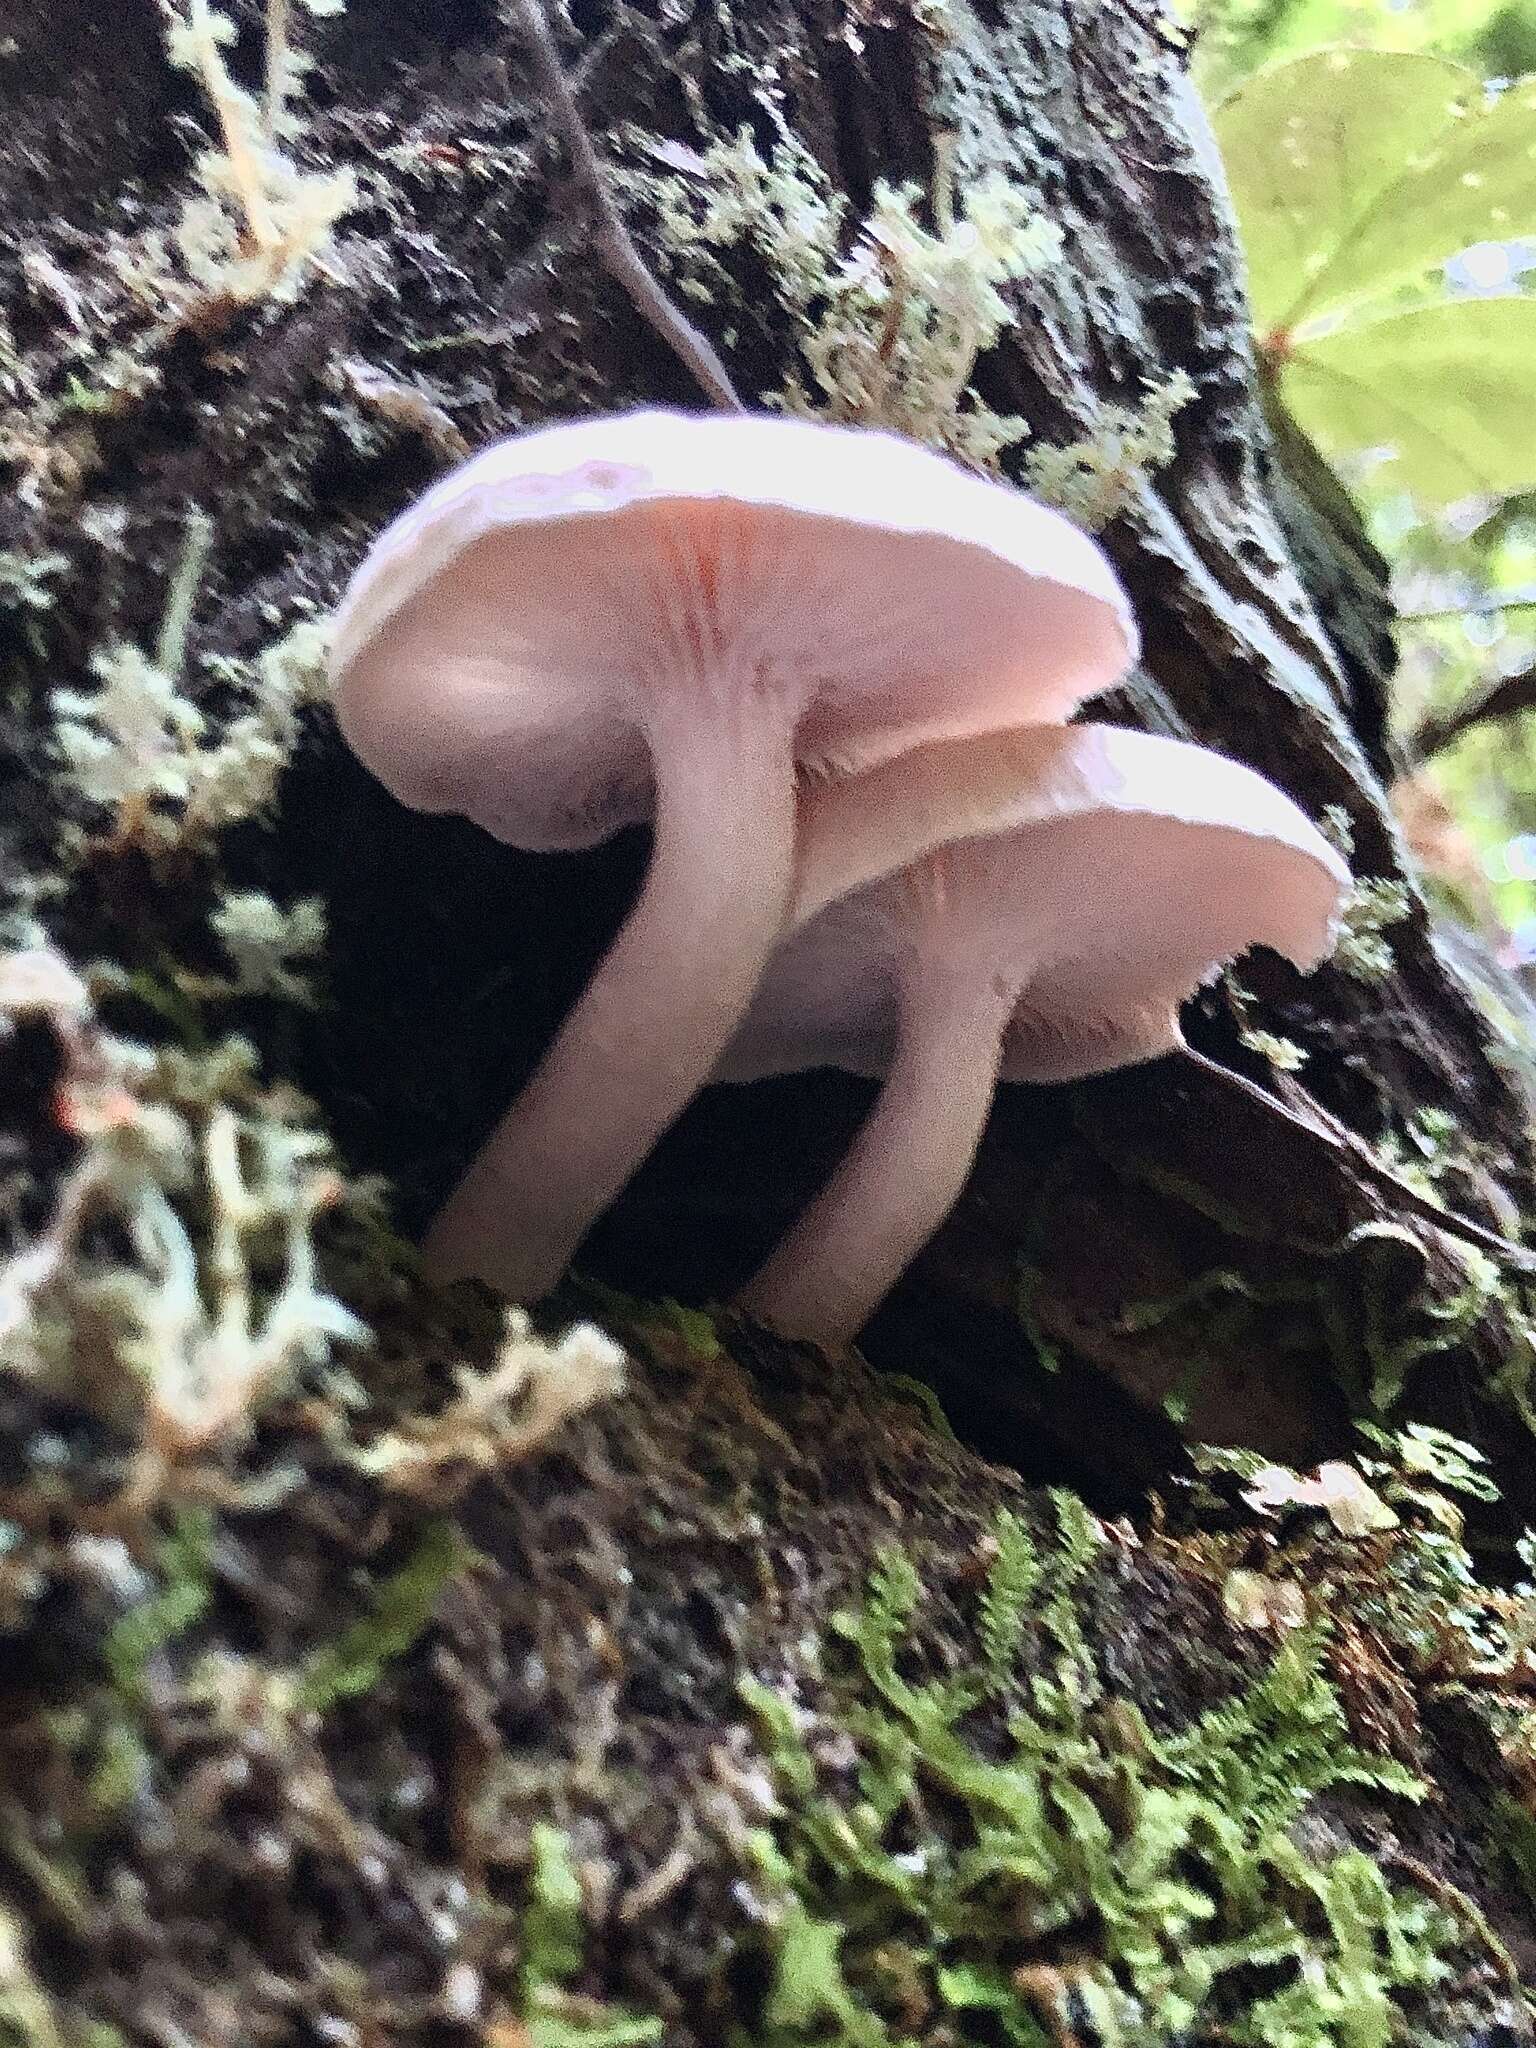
x: 1034, y: 906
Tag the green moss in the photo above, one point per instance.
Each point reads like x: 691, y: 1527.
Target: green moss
x: 403, y: 1605
x: 181, y: 1600
x: 696, y: 1328
x: 1518, y: 1839
x: 554, y: 1940
x: 1398, y: 1333
x: 1010, y: 1840
x: 1419, y: 1455
x: 914, y: 1393
x: 1374, y: 1299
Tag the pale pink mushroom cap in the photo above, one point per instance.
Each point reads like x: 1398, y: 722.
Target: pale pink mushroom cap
x: 1105, y: 873
x: 1033, y: 906
x: 501, y: 648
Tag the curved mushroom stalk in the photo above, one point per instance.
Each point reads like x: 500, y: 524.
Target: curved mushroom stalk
x: 1102, y: 874
x: 652, y: 1022
x: 904, y: 1172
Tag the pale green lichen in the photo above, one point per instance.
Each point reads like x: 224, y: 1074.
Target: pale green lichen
x: 892, y: 316
x: 26, y: 591
x: 1374, y: 905
x: 175, y: 1287
x: 1338, y: 828
x: 1283, y: 1054
x: 129, y: 742
x: 261, y: 223
x: 25, y: 580
x: 265, y: 942
x: 890, y: 329
x: 1095, y: 478
x: 11, y: 378
x: 1423, y: 1153
x: 138, y: 747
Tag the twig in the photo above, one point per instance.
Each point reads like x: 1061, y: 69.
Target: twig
x: 186, y: 580
x: 1497, y: 610
x: 1317, y: 1122
x: 1506, y: 697
x: 625, y: 263
x: 277, y: 60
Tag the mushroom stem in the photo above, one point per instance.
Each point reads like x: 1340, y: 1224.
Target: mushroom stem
x: 904, y: 1171
x: 655, y: 1017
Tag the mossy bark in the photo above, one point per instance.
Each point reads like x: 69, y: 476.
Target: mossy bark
x: 1123, y: 1241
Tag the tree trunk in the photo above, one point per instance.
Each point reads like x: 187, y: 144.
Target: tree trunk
x: 1147, y: 1245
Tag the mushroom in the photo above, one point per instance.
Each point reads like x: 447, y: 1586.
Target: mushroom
x: 1032, y: 906
x: 666, y: 617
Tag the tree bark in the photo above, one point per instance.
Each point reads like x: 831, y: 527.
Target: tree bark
x: 1128, y: 1248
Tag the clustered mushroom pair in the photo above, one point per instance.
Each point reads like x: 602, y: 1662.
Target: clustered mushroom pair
x: 833, y: 669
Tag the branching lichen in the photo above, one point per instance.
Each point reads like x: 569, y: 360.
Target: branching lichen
x: 1094, y: 478
x: 137, y: 746
x: 501, y: 1414
x: 26, y: 589
x: 175, y: 1286
x: 892, y: 321
x: 264, y: 941
x: 890, y: 331
x: 1374, y: 905
x: 1283, y: 1054
x: 261, y: 223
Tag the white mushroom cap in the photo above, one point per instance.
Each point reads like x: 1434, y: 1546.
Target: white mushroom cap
x: 500, y: 650
x: 1111, y: 872
x: 1036, y: 905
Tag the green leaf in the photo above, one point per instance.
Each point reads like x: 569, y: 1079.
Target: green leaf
x: 1425, y: 25
x: 1449, y: 388
x: 1354, y: 171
